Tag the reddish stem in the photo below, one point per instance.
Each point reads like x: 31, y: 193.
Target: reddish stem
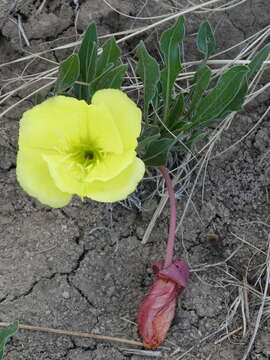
x: 172, y: 229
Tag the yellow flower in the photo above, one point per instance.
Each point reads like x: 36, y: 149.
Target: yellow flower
x: 68, y: 147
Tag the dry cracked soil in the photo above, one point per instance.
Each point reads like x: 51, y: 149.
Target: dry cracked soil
x: 84, y: 267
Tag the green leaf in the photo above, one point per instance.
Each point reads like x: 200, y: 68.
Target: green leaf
x: 87, y: 57
x: 206, y: 42
x: 88, y: 54
x: 148, y: 70
x: 5, y: 334
x: 170, y: 47
x: 69, y: 72
x: 113, y: 79
x: 192, y: 140
x: 148, y: 135
x: 238, y: 101
x: 109, y: 55
x: 176, y: 111
x: 94, y: 83
x: 258, y: 60
x: 236, y: 104
x: 157, y: 151
x: 201, y: 83
x: 39, y: 98
x: 219, y: 99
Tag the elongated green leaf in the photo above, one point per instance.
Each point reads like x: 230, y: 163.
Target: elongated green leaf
x: 157, y: 151
x: 201, y: 82
x: 176, y: 112
x: 235, y: 105
x: 170, y: 47
x: 148, y: 70
x: 227, y: 88
x: 69, y: 72
x: 94, y: 84
x: 206, y: 42
x: 258, y: 60
x: 87, y: 57
x: 5, y: 334
x: 88, y: 54
x: 238, y: 101
x: 157, y: 100
x: 109, y: 55
x: 192, y: 140
x: 148, y: 135
x: 113, y: 79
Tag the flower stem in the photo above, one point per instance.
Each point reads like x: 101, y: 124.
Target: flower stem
x: 172, y: 229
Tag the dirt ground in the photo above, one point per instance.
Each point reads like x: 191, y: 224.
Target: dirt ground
x: 84, y: 267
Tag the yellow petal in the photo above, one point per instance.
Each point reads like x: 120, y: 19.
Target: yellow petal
x: 47, y: 125
x: 125, y: 113
x: 102, y: 129
x: 110, y: 165
x: 61, y: 122
x: 119, y: 187
x: 72, y: 178
x: 68, y: 177
x: 34, y: 177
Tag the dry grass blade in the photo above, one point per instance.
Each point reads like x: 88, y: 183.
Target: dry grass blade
x: 26, y: 97
x: 231, y: 333
x: 146, y: 353
x: 261, y: 309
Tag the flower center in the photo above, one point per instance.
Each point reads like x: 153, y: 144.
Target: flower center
x: 89, y: 155
x: 81, y: 157
x: 84, y: 157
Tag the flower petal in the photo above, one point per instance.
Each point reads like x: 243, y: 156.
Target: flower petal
x: 60, y: 122
x: 48, y: 124
x: 34, y: 177
x: 125, y: 113
x: 110, y: 165
x: 72, y: 178
x: 103, y: 130
x: 68, y: 177
x: 120, y: 186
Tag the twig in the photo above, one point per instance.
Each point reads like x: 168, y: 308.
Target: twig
x: 76, y: 333
x: 152, y: 223
x: 148, y: 353
x: 249, y: 244
x: 21, y: 29
x: 228, y: 335
x: 223, y: 262
x: 41, y: 7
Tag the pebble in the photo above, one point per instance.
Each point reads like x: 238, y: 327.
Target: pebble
x: 66, y: 295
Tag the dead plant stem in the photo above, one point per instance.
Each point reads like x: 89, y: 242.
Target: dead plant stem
x: 76, y: 333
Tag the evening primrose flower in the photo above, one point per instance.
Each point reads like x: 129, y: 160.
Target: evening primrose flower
x: 68, y: 147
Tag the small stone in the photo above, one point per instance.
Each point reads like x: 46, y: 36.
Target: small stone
x: 140, y: 232
x: 66, y: 295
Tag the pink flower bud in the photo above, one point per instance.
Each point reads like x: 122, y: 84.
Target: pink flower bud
x: 158, y: 308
